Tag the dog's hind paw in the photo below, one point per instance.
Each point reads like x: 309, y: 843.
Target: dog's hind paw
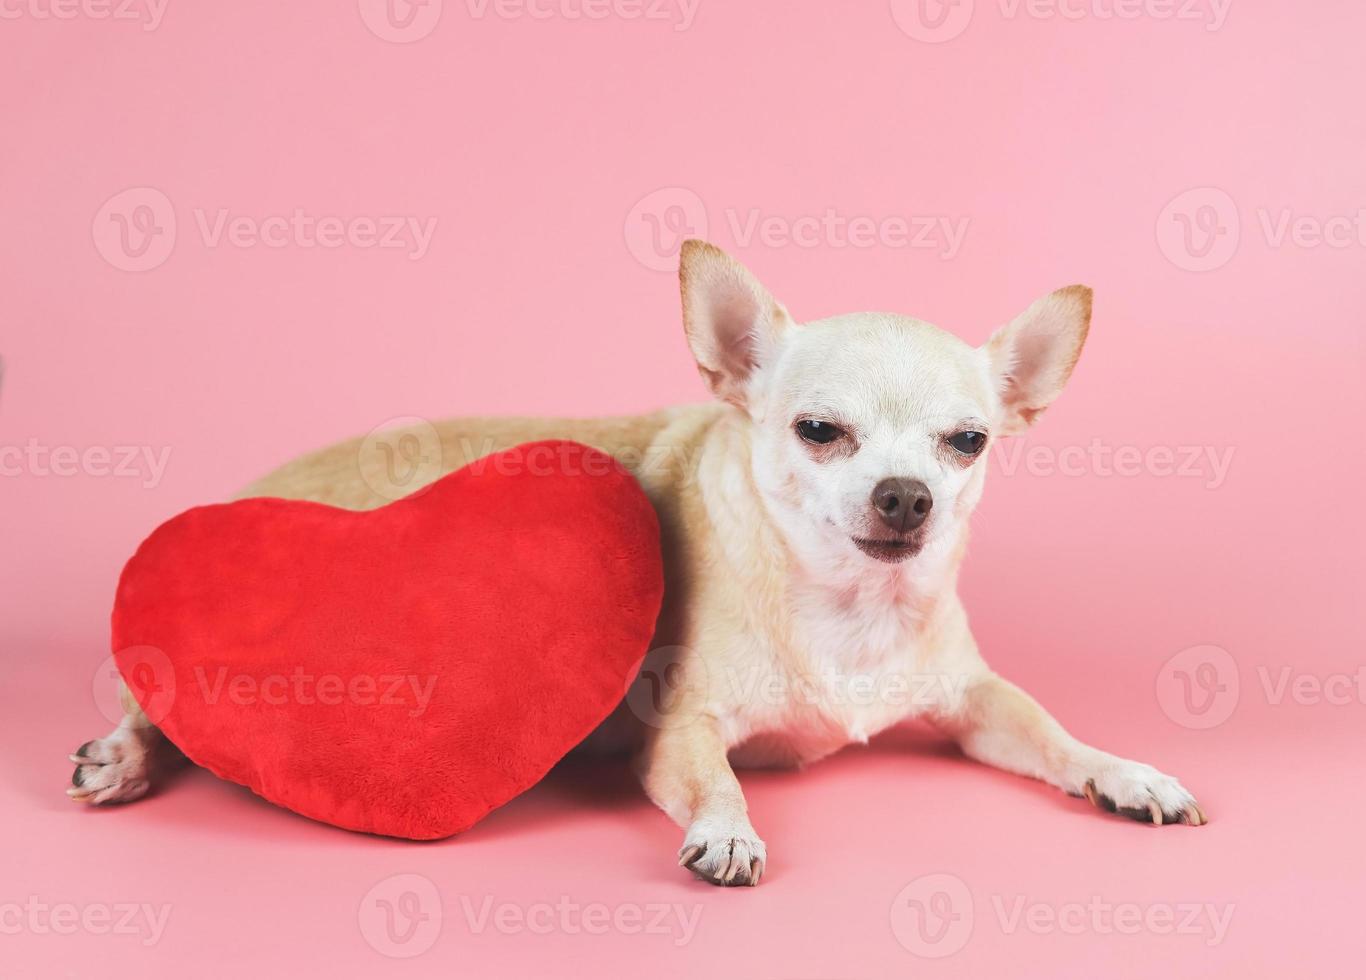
x: 113, y: 769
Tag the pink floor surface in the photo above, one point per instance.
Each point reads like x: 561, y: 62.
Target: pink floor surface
x: 577, y: 877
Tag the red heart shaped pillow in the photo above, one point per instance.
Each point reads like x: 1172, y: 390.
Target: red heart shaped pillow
x: 405, y: 670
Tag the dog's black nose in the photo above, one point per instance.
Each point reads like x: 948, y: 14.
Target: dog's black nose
x: 902, y: 504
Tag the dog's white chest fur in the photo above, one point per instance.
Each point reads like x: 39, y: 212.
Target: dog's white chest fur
x: 851, y: 672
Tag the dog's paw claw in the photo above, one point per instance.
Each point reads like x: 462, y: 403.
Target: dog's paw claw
x: 1140, y: 792
x: 723, y: 856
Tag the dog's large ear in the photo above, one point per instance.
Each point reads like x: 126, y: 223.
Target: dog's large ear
x: 730, y: 319
x: 1032, y: 356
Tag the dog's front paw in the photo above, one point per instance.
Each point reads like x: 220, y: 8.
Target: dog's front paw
x: 723, y: 852
x: 1141, y: 793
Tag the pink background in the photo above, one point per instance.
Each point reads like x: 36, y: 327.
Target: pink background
x: 1068, y: 144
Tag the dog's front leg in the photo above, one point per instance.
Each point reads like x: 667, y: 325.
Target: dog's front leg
x: 685, y: 771
x: 1001, y: 725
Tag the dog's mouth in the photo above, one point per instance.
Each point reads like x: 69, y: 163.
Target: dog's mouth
x: 890, y: 550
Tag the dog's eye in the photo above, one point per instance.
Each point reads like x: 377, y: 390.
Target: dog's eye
x: 968, y: 443
x: 818, y: 432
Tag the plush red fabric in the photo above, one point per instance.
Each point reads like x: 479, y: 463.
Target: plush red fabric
x: 401, y: 671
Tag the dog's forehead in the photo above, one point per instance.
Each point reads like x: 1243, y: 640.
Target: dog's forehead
x: 885, y: 366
